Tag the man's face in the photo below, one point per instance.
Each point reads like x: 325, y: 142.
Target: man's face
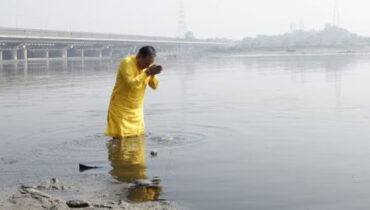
x: 143, y: 63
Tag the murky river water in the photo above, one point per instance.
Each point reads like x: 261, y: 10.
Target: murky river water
x: 269, y: 132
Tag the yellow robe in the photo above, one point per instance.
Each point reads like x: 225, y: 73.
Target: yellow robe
x: 125, y: 114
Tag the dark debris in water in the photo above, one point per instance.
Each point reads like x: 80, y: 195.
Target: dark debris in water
x: 154, y: 153
x: 83, y: 167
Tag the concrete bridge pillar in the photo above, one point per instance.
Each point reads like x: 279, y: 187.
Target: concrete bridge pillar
x: 65, y: 53
x: 47, y: 54
x: 82, y: 53
x: 100, y: 54
x: 15, y: 54
x: 1, y: 55
x: 25, y: 54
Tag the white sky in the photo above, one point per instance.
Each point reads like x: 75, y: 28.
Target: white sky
x: 234, y: 19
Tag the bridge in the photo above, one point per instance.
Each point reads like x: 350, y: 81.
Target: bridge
x: 32, y: 44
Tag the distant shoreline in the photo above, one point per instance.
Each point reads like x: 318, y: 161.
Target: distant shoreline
x: 290, y: 52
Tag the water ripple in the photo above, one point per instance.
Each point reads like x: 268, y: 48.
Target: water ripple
x: 174, y: 138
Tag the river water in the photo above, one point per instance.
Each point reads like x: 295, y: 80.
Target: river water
x: 235, y: 132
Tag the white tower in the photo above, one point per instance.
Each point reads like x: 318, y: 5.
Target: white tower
x: 336, y: 20
x: 181, y: 30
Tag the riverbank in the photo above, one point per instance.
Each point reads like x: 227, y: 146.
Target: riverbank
x: 57, y: 196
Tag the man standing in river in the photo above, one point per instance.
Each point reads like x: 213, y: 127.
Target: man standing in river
x: 125, y: 114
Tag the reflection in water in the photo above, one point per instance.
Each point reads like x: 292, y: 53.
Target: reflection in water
x: 139, y: 193
x: 127, y: 157
x: 301, y: 66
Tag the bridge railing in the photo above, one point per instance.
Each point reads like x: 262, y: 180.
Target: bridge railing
x: 74, y: 34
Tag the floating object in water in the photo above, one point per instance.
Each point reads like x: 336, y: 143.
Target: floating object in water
x: 83, y: 167
x: 154, y: 152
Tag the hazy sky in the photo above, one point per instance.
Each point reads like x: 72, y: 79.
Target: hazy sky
x: 205, y: 18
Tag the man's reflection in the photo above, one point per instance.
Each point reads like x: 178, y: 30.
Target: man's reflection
x: 127, y: 157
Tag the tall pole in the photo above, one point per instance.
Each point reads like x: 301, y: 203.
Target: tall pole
x: 181, y: 31
x: 336, y: 19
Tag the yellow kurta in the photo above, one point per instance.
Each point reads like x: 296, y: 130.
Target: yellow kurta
x: 125, y: 114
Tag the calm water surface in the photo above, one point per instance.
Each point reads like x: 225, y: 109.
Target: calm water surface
x: 273, y: 132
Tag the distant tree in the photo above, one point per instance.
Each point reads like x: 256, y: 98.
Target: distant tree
x: 189, y: 35
x: 330, y: 36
